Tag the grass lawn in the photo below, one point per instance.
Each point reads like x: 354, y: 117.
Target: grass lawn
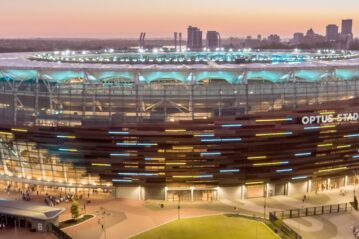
x: 210, y: 227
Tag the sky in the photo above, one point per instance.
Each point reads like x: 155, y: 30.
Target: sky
x: 160, y: 18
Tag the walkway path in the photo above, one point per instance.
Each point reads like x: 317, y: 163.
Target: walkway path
x: 129, y: 217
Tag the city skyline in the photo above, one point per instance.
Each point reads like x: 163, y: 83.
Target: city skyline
x: 126, y: 19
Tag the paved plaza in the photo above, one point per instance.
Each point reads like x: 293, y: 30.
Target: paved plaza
x: 142, y: 216
x: 122, y: 218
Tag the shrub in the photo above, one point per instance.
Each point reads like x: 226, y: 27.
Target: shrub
x: 75, y: 209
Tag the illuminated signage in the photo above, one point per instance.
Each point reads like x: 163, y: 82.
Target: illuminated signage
x: 330, y: 118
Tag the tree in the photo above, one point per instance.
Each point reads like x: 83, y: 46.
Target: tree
x: 75, y: 209
x: 354, y: 45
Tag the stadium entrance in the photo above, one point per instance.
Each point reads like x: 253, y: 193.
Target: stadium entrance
x: 191, y: 194
x: 255, y: 191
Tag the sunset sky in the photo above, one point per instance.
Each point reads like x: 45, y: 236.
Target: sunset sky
x: 160, y: 18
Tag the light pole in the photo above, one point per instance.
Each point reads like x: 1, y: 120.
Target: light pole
x: 103, y: 226
x: 256, y: 226
x: 101, y: 221
x: 300, y: 211
x: 265, y: 203
x: 355, y: 181
x: 179, y: 206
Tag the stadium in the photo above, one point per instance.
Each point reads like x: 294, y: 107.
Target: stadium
x: 180, y: 125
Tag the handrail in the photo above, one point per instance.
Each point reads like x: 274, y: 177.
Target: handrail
x: 281, y: 227
x: 58, y: 232
x: 313, y: 211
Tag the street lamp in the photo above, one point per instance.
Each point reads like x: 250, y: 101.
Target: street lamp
x: 101, y: 220
x: 103, y: 227
x: 265, y: 202
x: 300, y: 211
x: 355, y: 181
x: 179, y: 206
x: 256, y: 218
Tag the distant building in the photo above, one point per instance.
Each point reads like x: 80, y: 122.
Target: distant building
x: 233, y: 42
x: 213, y: 40
x: 273, y: 39
x: 311, y: 38
x: 250, y: 42
x: 310, y: 32
x: 298, y: 38
x: 346, y: 36
x: 194, y: 38
x: 332, y: 33
x: 347, y: 27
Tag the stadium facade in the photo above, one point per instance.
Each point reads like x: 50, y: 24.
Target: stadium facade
x: 195, y: 126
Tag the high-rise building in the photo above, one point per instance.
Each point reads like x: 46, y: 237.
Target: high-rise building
x: 347, y: 26
x: 332, y: 33
x: 298, y: 38
x: 194, y: 38
x: 213, y: 39
x: 346, y: 36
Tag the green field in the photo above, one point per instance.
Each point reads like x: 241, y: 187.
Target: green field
x: 210, y: 227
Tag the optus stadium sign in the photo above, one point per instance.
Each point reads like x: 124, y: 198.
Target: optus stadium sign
x: 330, y: 118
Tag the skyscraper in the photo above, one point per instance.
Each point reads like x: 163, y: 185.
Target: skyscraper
x: 347, y: 26
x: 297, y: 38
x: 332, y: 33
x: 213, y: 40
x: 346, y: 35
x: 194, y: 38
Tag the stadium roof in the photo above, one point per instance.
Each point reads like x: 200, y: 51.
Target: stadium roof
x: 22, y: 61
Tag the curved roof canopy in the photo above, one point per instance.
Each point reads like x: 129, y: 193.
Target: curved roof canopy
x: 18, y: 66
